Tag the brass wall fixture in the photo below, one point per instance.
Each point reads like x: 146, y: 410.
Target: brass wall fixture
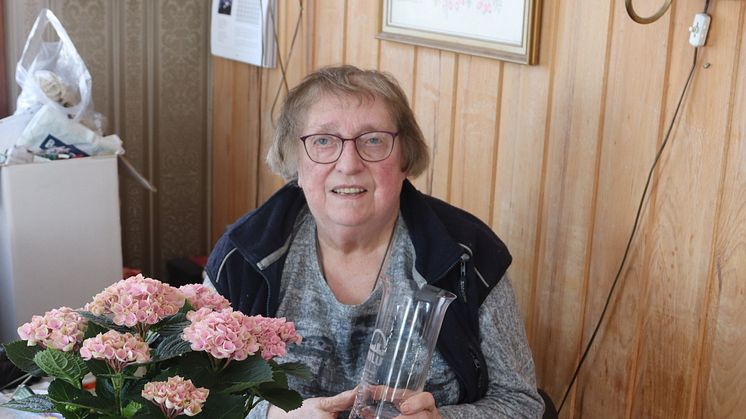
x: 645, y: 20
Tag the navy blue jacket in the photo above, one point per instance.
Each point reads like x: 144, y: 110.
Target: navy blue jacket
x: 454, y: 251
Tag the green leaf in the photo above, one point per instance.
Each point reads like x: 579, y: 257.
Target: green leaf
x: 22, y: 356
x: 63, y: 393
x: 296, y: 369
x: 253, y: 369
x: 279, y: 380
x: 223, y: 406
x: 64, y: 365
x: 37, y: 403
x: 283, y: 398
x: 194, y: 366
x: 104, y: 388
x: 131, y: 409
x: 104, y: 322
x: 171, y: 347
x: 174, y: 328
x: 151, y: 337
x: 93, y: 329
x: 98, y: 367
x: 172, y: 325
x: 235, y: 388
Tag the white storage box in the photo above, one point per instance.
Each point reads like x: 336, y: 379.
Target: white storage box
x: 60, y: 236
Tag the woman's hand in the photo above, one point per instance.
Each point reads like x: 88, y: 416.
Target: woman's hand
x: 419, y: 406
x: 317, y: 407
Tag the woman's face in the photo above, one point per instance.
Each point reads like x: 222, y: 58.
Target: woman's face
x: 350, y: 192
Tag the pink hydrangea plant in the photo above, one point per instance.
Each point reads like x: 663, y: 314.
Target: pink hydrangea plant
x: 274, y: 334
x: 61, y: 328
x: 224, y: 334
x: 200, y: 296
x: 176, y: 396
x: 137, y: 301
x: 232, y: 335
x: 117, y: 349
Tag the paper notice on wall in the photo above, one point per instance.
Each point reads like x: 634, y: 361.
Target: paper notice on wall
x: 244, y: 30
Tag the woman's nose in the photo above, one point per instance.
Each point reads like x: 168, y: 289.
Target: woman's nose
x: 349, y: 160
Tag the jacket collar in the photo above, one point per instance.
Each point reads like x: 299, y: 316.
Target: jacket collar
x: 265, y: 230
x: 442, y: 233
x: 436, y: 249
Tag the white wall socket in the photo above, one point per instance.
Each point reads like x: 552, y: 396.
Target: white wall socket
x: 698, y: 30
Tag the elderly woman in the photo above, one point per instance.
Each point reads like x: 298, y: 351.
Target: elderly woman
x: 314, y: 252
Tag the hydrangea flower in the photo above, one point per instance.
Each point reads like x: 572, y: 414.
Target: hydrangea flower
x: 200, y: 296
x: 117, y: 349
x: 176, y: 396
x: 273, y: 334
x: 137, y: 301
x: 224, y: 334
x: 61, y: 328
x: 232, y: 335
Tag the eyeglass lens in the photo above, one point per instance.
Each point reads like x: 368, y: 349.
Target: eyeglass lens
x: 371, y: 146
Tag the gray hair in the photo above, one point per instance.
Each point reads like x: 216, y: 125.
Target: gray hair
x: 345, y: 80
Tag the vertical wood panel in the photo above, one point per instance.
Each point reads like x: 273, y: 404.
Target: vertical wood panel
x: 569, y: 186
x: 726, y: 363
x: 399, y: 60
x: 474, y: 139
x: 685, y: 235
x: 221, y: 146
x: 361, y: 48
x: 433, y: 97
x: 235, y: 143
x: 441, y: 164
x: 631, y: 134
x: 272, y: 89
x: 523, y: 115
x: 329, y: 32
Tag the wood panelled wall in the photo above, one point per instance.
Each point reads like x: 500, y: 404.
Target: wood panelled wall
x: 554, y: 157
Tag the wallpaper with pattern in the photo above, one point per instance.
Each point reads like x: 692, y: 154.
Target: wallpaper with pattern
x: 149, y: 63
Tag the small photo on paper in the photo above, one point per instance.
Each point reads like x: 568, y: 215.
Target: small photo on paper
x: 224, y: 7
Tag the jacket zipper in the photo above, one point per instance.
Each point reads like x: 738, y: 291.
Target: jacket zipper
x: 260, y: 271
x: 462, y: 276
x: 477, y: 367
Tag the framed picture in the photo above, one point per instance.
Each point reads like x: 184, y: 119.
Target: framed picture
x: 502, y: 29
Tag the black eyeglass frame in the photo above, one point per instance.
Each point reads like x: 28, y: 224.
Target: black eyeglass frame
x: 354, y: 140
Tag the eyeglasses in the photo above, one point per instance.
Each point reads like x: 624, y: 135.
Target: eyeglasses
x: 371, y: 146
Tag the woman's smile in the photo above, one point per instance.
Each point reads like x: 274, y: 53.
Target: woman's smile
x: 349, y: 191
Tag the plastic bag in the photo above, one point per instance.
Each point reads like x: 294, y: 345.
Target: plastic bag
x: 50, y: 132
x: 54, y: 74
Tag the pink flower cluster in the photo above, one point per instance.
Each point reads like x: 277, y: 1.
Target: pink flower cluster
x: 137, y: 300
x: 229, y: 334
x: 117, y: 349
x: 200, y: 296
x: 176, y: 396
x: 224, y: 334
x: 61, y: 328
x: 273, y: 334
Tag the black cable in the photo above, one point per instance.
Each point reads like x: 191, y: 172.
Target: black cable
x: 634, y: 227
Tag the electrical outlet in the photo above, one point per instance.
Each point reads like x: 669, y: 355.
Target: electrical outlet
x: 698, y: 30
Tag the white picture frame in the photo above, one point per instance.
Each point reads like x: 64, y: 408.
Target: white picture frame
x: 502, y: 29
